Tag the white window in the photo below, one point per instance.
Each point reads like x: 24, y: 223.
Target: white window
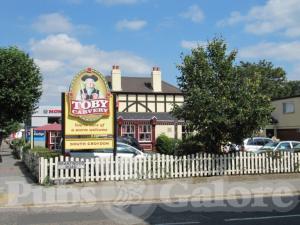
x: 288, y: 107
x: 128, y: 130
x: 145, y: 133
x: 55, y: 138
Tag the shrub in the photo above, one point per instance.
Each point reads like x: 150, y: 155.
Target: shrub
x: 166, y: 145
x: 26, y: 147
x: 17, y: 143
x: 190, y: 145
x: 45, y: 152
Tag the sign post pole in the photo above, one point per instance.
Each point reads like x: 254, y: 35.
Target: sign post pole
x: 63, y: 96
x: 115, y: 126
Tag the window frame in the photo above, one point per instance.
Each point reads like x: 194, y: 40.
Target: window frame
x: 130, y: 133
x: 284, y: 107
x: 149, y: 132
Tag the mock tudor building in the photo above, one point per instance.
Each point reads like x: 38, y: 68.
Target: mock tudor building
x: 144, y: 105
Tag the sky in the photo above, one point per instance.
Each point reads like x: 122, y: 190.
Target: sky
x: 66, y: 36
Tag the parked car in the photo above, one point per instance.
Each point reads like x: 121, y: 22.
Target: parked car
x: 255, y: 143
x: 123, y: 151
x: 130, y: 141
x: 297, y: 148
x: 286, y: 146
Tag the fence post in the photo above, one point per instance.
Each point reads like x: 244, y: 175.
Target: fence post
x: 77, y: 171
x: 102, y: 169
x: 163, y: 161
x: 184, y: 166
x: 189, y: 166
x: 41, y: 170
x: 167, y: 168
x: 92, y: 170
x: 176, y: 166
x: 150, y: 167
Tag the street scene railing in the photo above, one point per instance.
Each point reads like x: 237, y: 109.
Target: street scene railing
x: 159, y: 166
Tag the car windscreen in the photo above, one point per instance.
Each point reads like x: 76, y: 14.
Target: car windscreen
x: 270, y: 145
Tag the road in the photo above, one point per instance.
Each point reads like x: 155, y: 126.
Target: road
x: 276, y: 210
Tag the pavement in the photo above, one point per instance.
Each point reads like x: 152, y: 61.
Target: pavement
x: 18, y: 190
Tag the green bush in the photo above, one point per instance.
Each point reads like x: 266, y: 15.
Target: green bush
x: 26, y: 147
x: 17, y: 143
x: 45, y: 152
x: 190, y: 145
x: 166, y: 145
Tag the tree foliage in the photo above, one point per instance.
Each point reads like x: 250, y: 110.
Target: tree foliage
x: 20, y: 87
x: 273, y: 79
x: 222, y: 102
x: 293, y: 89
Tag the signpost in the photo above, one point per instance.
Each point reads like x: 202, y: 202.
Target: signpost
x: 89, y: 113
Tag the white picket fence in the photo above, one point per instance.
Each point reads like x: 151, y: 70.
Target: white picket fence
x: 165, y: 167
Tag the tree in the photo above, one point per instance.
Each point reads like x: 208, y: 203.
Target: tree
x: 293, y: 88
x: 221, y: 104
x: 274, y: 82
x: 20, y: 88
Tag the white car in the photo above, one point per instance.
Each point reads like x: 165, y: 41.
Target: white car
x: 123, y: 151
x: 255, y: 143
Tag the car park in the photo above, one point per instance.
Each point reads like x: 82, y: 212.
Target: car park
x: 123, y: 151
x: 284, y: 146
x: 254, y: 143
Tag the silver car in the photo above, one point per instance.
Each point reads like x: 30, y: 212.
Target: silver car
x: 123, y: 151
x: 284, y: 146
x: 255, y: 143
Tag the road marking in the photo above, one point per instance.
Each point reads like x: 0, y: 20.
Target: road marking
x: 183, y: 223
x: 260, y: 218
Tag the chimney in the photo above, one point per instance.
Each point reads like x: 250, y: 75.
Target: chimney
x: 156, y: 79
x: 116, y: 78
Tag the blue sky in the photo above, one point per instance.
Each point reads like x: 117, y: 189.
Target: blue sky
x: 65, y: 36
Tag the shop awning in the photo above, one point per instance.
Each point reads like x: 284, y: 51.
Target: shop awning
x: 49, y: 127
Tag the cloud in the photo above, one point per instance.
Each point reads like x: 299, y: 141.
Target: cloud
x: 130, y: 24
x: 193, y: 13
x: 234, y: 18
x: 117, y: 2
x: 283, y: 51
x: 53, y: 23
x: 60, y: 57
x: 274, y: 16
x: 192, y: 44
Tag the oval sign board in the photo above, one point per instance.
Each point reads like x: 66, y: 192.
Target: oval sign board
x: 89, y: 96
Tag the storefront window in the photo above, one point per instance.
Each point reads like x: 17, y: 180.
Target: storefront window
x: 128, y: 130
x: 55, y: 139
x: 145, y: 133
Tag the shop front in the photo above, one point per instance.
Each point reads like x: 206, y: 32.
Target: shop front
x: 50, y: 138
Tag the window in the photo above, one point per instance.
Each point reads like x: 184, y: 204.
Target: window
x: 145, y: 133
x: 288, y: 107
x: 259, y: 142
x: 55, y: 139
x: 185, y: 132
x: 296, y: 144
x: 128, y: 130
x: 284, y: 146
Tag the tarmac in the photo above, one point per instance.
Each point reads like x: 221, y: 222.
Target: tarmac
x: 18, y: 189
